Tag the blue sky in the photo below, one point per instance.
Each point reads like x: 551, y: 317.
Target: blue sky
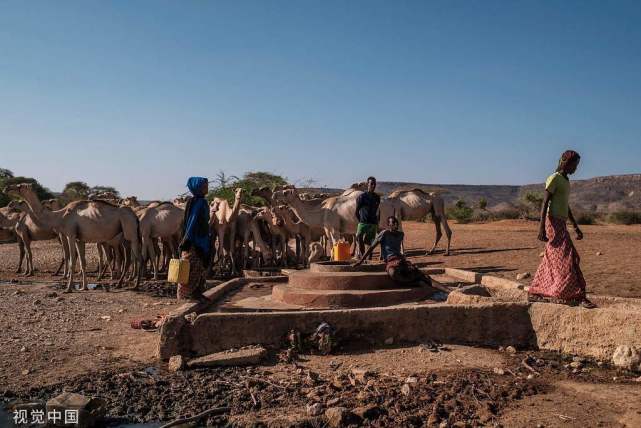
x: 140, y: 94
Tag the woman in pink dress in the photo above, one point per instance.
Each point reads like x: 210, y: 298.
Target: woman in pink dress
x: 559, y: 278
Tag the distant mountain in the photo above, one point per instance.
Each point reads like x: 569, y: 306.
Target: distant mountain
x: 603, y: 194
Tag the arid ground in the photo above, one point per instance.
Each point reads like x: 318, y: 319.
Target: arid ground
x: 51, y: 340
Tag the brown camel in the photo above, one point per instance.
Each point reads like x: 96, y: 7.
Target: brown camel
x: 160, y: 221
x: 84, y: 221
x: 222, y: 222
x: 27, y: 230
x: 415, y: 205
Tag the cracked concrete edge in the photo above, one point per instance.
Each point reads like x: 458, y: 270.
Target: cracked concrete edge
x: 174, y: 335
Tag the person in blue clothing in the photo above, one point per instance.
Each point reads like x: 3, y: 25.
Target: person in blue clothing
x: 195, y: 246
x: 367, y: 204
x: 396, y: 265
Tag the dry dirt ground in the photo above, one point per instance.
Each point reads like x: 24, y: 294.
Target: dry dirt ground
x: 52, y: 340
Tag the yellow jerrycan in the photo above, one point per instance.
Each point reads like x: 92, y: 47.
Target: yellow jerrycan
x: 341, y: 252
x: 178, y: 271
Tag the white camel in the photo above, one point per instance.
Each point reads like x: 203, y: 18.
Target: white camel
x: 84, y: 221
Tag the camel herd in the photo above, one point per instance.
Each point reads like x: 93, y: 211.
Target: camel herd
x: 129, y: 236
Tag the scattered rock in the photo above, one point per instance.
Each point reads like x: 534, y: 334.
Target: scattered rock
x: 333, y: 402
x: 52, y: 294
x: 522, y: 276
x: 18, y: 293
x: 542, y: 253
x: 510, y: 350
x: 26, y: 372
x: 576, y: 364
x: 176, y: 363
x: 498, y: 371
x: 530, y: 376
x: 638, y: 379
x: 37, y: 302
x: 341, y: 417
x: 627, y: 357
x: 106, y: 318
x: 389, y: 341
x: 241, y: 357
x: 315, y: 409
x: 361, y: 375
x: 368, y: 412
x: 59, y: 299
x: 599, y: 253
x: 88, y: 409
x: 23, y: 349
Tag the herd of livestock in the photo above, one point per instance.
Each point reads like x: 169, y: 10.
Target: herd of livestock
x: 131, y: 236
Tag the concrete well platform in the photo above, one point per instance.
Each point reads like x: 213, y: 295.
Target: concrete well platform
x: 336, y: 285
x: 493, y: 312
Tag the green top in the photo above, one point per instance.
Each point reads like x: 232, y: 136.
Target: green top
x: 559, y: 187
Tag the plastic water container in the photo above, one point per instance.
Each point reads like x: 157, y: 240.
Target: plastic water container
x: 341, y: 252
x: 178, y: 271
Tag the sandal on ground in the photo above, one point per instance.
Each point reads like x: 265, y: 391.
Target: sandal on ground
x: 585, y: 303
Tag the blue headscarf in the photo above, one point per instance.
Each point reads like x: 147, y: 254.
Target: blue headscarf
x: 197, y: 219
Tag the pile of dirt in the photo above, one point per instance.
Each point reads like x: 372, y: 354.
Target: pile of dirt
x: 467, y: 397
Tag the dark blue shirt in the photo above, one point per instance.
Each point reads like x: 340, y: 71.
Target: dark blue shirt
x: 390, y: 243
x: 367, y: 207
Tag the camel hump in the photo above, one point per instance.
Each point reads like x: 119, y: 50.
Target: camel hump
x: 397, y: 193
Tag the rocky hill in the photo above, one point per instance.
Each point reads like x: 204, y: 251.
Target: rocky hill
x: 602, y: 194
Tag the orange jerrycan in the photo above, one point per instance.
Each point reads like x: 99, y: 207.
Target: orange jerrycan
x: 178, y: 271
x: 341, y: 252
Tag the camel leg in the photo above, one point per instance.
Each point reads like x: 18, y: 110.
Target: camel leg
x: 102, y: 266
x: 439, y: 234
x: 64, y: 257
x: 448, y: 234
x: 80, y: 247
x: 125, y: 267
x: 136, y: 254
x: 21, y: 249
x: 72, y: 261
x: 232, y: 242
x: 27, y: 246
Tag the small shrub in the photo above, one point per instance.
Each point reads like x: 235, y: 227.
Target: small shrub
x: 508, y: 214
x: 460, y: 212
x: 625, y: 217
x: 585, y: 217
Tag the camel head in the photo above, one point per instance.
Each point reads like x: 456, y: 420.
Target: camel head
x: 17, y: 205
x: 277, y: 219
x: 286, y: 195
x: 18, y: 190
x: 51, y: 204
x: 214, y: 205
x: 130, y: 201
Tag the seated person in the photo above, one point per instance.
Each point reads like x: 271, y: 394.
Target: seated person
x: 396, y: 265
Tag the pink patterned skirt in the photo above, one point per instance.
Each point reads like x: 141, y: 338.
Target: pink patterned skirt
x: 559, y: 275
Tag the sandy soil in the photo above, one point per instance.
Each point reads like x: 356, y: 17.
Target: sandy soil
x: 51, y: 338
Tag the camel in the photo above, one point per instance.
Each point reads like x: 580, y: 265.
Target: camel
x: 278, y: 232
x: 247, y: 227
x: 27, y: 230
x: 130, y: 201
x: 84, y: 221
x: 160, y: 221
x: 415, y: 205
x: 304, y: 234
x: 222, y: 222
x: 335, y: 215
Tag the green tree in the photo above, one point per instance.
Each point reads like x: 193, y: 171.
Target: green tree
x: 225, y: 186
x: 5, y: 173
x: 76, y: 190
x: 483, y: 204
x: 104, y: 189
x: 460, y: 212
x: 41, y: 192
